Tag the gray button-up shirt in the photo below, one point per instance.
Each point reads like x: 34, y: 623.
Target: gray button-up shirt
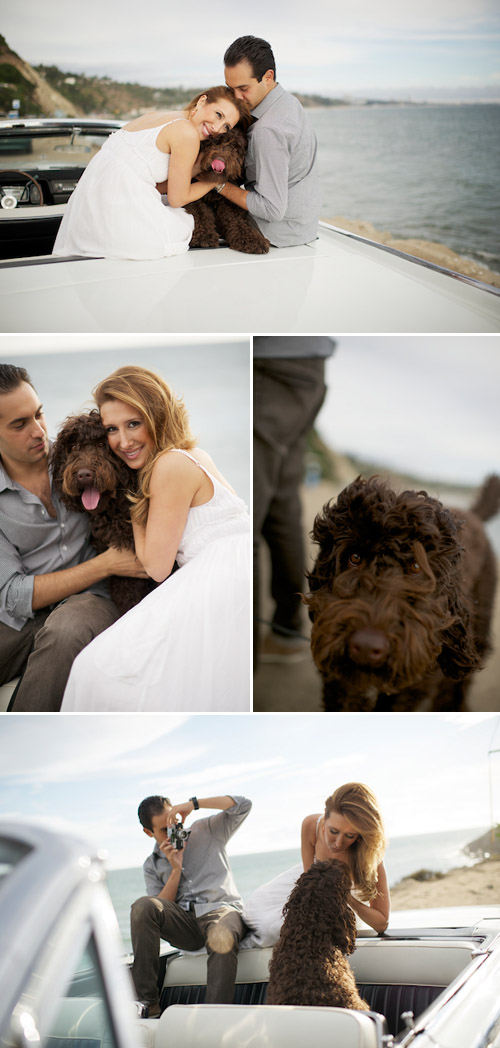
x: 33, y: 543
x: 281, y: 171
x: 206, y: 879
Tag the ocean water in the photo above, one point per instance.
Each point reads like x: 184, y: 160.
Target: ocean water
x: 429, y: 172
x: 405, y: 855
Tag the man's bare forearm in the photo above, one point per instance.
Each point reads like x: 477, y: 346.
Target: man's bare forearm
x: 57, y: 585
x: 236, y: 195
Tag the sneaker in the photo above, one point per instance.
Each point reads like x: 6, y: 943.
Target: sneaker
x: 277, y: 647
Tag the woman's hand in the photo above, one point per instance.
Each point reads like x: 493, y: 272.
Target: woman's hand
x: 376, y: 912
x: 123, y: 562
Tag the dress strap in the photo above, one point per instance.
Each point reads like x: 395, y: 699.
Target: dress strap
x: 181, y: 451
x: 174, y: 121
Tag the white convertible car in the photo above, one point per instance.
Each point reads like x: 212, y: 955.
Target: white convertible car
x: 432, y: 980
x: 338, y: 283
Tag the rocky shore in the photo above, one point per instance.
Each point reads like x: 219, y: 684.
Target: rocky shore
x: 439, y: 254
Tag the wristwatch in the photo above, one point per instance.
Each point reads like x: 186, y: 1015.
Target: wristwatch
x: 194, y: 802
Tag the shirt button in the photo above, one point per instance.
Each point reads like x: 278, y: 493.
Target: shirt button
x: 63, y: 525
x: 64, y: 548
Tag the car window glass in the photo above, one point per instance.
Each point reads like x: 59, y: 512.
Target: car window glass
x: 44, y: 152
x: 79, y: 1019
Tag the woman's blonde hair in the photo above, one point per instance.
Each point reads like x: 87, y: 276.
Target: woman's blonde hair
x: 213, y: 94
x: 165, y: 418
x: 358, y: 804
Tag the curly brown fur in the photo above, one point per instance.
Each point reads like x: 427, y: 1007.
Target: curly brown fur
x: 309, y: 965
x: 401, y: 597
x: 88, y: 478
x: 215, y: 217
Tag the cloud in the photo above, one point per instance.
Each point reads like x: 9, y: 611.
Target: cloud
x: 79, y: 748
x: 165, y: 49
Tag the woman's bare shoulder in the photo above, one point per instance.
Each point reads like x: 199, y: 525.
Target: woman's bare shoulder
x: 310, y: 821
x: 172, y: 462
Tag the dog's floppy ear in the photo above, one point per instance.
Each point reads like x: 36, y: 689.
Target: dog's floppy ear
x: 323, y: 533
x: 66, y: 437
x: 459, y: 655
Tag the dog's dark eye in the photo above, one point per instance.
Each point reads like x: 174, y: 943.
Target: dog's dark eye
x: 354, y: 560
x: 415, y: 568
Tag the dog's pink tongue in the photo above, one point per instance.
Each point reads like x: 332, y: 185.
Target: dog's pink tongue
x: 218, y: 164
x: 90, y: 498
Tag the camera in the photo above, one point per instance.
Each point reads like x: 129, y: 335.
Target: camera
x: 177, y: 835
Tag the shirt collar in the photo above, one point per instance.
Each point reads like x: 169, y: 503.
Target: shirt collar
x: 7, y: 484
x: 267, y: 102
x: 6, y: 481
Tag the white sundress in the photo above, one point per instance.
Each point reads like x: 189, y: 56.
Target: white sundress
x: 116, y: 210
x: 263, y: 910
x: 186, y: 646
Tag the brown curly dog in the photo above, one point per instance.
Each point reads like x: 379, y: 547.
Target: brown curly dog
x: 215, y: 217
x: 308, y: 964
x: 401, y: 597
x: 89, y: 478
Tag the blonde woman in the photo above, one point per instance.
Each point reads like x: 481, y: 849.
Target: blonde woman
x: 351, y: 831
x: 116, y: 210
x: 186, y: 646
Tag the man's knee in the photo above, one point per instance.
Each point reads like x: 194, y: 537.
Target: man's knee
x: 74, y: 623
x: 224, y: 935
x: 145, y: 908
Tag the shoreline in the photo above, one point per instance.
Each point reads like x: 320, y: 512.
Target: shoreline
x: 428, y: 250
x: 462, y: 886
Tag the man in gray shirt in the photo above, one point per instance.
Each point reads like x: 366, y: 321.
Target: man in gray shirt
x: 282, y: 190
x: 192, y: 900
x: 53, y: 598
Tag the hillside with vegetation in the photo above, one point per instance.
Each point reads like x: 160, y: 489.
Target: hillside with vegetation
x: 18, y: 80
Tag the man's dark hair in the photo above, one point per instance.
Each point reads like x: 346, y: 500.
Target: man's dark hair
x: 254, y: 50
x: 11, y: 377
x: 151, y: 806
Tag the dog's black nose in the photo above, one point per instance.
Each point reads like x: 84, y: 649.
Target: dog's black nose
x: 85, y: 476
x: 368, y: 647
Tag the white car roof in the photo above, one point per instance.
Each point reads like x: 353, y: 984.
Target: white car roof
x: 339, y: 283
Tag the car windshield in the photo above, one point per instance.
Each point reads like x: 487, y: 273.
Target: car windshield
x: 73, y: 147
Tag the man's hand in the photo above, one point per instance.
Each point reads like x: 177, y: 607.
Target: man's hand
x: 175, y: 856
x: 123, y: 562
x: 183, y: 810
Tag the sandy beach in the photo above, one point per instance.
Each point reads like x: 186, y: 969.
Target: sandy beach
x: 464, y: 886
x: 439, y: 254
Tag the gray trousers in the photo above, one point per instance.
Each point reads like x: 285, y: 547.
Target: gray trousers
x: 45, y: 648
x: 287, y: 394
x: 153, y: 919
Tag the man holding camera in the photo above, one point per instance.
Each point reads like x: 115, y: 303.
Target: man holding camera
x: 192, y: 900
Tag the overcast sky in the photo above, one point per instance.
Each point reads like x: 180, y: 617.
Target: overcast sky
x: 87, y: 773
x: 418, y: 49
x: 425, y: 405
